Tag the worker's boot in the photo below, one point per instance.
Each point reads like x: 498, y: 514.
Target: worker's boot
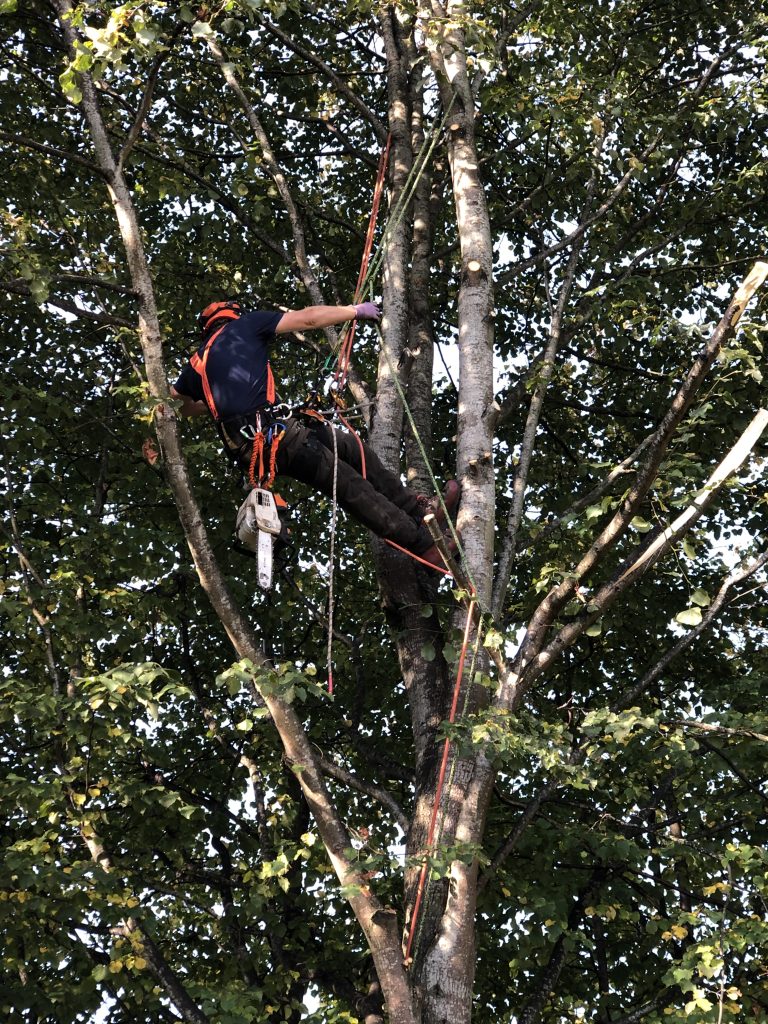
x: 433, y: 506
x: 433, y: 557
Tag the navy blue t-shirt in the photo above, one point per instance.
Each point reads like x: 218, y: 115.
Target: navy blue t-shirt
x: 237, y: 366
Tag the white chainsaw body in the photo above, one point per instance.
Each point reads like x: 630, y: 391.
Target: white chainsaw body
x: 256, y: 527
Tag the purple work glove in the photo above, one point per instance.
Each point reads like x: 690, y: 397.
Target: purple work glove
x: 367, y: 311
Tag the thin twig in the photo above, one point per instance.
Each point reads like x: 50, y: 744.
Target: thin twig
x: 335, y: 771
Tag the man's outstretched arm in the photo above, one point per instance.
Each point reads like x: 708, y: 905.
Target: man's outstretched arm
x: 314, y: 317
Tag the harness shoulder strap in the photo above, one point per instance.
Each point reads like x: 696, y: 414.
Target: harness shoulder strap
x: 199, y: 365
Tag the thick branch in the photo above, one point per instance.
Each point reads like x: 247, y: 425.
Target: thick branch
x: 62, y: 154
x: 609, y: 536
x: 378, y: 924
x: 169, y: 980
x: 638, y: 564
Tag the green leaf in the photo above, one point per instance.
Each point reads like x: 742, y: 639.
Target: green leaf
x: 640, y: 524
x: 689, y: 617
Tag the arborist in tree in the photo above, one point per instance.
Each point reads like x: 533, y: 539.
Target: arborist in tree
x: 230, y: 378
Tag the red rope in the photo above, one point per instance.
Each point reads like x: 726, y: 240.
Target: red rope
x: 429, y: 565
x: 361, y: 446
x: 345, y: 350
x: 440, y: 782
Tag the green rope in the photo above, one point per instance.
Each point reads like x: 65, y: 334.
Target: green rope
x: 425, y: 459
x: 396, y: 215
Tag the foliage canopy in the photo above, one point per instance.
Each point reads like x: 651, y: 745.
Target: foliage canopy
x: 159, y: 859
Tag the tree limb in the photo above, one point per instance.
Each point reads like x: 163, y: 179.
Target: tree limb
x: 95, y: 282
x: 689, y: 723
x: 341, y: 86
x: 159, y: 966
x: 556, y: 599
x: 638, y: 564
x: 26, y: 143
x: 335, y: 771
x: 378, y: 923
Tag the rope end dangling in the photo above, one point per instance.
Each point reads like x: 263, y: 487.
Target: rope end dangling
x: 330, y: 681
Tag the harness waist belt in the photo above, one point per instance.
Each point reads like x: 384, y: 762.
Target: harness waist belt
x: 235, y: 431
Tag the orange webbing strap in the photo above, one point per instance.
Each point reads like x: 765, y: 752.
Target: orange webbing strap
x: 264, y: 479
x: 440, y: 782
x: 200, y: 363
x: 257, y: 455
x: 276, y: 438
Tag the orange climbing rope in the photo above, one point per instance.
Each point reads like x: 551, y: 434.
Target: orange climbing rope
x: 340, y: 379
x: 345, y: 349
x: 416, y: 558
x: 440, y: 780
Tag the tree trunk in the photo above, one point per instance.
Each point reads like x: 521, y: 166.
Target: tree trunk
x: 378, y: 923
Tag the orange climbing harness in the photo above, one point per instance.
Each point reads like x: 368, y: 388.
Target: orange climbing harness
x: 199, y: 363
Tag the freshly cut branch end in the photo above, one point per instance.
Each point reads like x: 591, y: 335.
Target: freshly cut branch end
x: 747, y: 289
